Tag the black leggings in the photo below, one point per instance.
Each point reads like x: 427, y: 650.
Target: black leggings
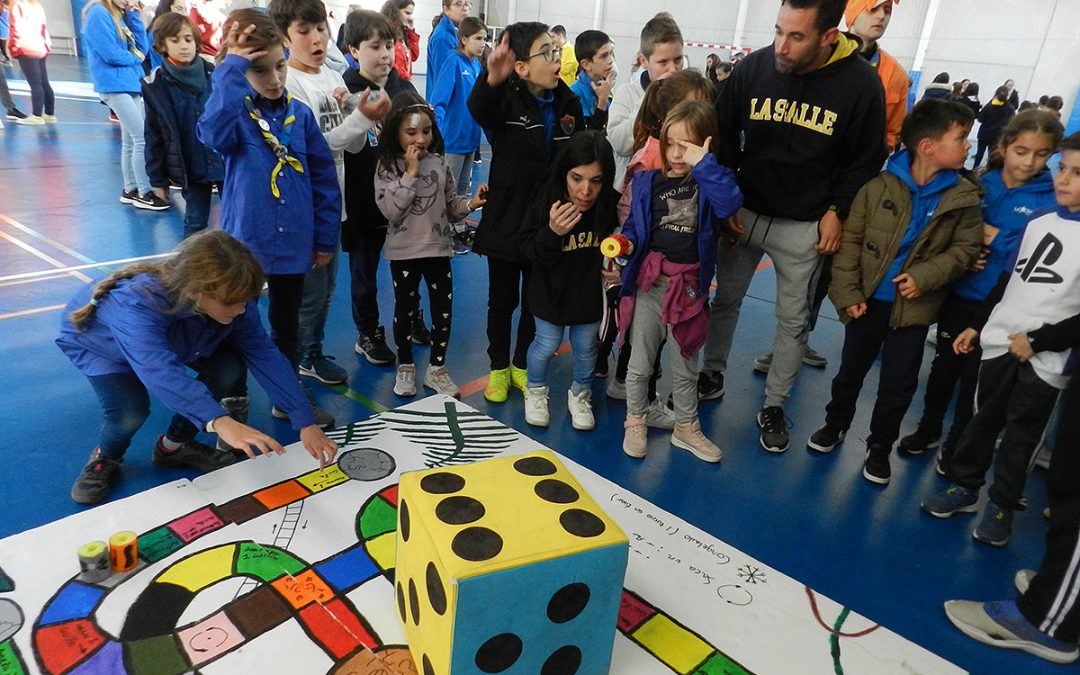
x: 286, y: 294
x: 508, y: 286
x: 41, y: 92
x: 440, y: 282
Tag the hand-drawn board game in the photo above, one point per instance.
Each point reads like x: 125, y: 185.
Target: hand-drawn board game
x: 271, y: 566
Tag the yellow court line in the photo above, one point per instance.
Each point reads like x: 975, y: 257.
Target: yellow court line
x: 47, y: 258
x: 28, y: 312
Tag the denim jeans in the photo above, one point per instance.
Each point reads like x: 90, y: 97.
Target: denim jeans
x: 125, y: 402
x: 5, y: 94
x: 42, y: 99
x: 196, y: 207
x: 364, y: 274
x: 584, y: 342
x: 129, y: 110
x: 461, y: 168
x: 319, y: 287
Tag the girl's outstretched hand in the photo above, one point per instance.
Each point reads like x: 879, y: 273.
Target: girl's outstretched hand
x: 318, y: 445
x: 236, y: 43
x: 563, y: 217
x: 694, y: 153
x: 501, y: 62
x: 480, y: 198
x: 245, y: 438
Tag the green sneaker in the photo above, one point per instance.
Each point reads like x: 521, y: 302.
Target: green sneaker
x: 498, y: 386
x: 519, y: 377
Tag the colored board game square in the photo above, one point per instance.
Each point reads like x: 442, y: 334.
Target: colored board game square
x: 266, y: 563
x: 210, y: 638
x: 303, y: 589
x: 322, y: 479
x: 158, y: 544
x: 351, y: 621
x: 348, y: 569
x: 74, y: 601
x: 720, y: 664
x: 680, y: 649
x: 10, y: 661
x: 382, y: 549
x: 155, y: 656
x: 633, y: 611
x: 258, y: 611
x: 63, y: 645
x: 390, y: 495
x: 108, y: 659
x: 195, y: 525
x: 328, y: 630
x: 242, y: 509
x: 378, y: 518
x: 281, y: 494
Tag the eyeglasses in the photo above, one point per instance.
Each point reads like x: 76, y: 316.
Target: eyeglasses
x: 550, y: 54
x: 462, y: 5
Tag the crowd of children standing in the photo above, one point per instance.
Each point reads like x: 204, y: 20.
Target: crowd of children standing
x: 315, y: 156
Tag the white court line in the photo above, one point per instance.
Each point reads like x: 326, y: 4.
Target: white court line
x: 47, y: 258
x: 74, y: 268
x: 48, y: 240
x: 28, y: 312
x: 51, y: 277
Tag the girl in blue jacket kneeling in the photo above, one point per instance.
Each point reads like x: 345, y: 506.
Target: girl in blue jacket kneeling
x: 140, y: 329
x: 674, y: 218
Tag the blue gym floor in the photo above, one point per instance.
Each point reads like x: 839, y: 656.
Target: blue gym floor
x: 811, y: 516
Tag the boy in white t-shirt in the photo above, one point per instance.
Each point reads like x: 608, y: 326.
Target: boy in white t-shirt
x: 304, y: 25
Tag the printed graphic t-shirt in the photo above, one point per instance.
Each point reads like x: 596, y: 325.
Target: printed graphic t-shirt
x: 675, y: 218
x: 317, y: 93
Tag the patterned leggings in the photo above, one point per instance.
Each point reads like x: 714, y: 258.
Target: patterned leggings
x: 406, y: 275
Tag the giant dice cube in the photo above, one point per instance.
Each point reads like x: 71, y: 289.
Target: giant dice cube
x: 507, y: 566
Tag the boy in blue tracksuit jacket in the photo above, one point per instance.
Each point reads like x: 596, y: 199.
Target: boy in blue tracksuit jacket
x: 1009, y: 210
x: 287, y: 210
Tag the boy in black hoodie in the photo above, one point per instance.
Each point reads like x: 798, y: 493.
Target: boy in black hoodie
x: 812, y: 112
x: 370, y: 40
x: 530, y: 114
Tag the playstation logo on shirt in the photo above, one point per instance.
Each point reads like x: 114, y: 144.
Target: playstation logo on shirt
x: 1037, y: 268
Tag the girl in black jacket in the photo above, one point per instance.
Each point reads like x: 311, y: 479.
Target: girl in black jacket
x: 573, y: 211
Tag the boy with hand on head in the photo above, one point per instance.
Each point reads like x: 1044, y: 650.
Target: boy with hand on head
x: 370, y: 41
x: 595, y: 74
x: 303, y: 24
x: 530, y: 114
x: 661, y: 55
x: 910, y: 233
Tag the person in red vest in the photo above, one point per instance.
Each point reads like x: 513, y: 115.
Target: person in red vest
x: 869, y: 19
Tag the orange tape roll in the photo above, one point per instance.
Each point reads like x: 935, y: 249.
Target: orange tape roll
x: 616, y: 246
x: 124, y: 551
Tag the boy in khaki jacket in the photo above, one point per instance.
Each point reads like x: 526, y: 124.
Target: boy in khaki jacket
x: 911, y: 232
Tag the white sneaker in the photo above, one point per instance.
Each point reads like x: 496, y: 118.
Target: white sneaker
x: 438, y: 380
x: 1022, y: 580
x: 689, y: 437
x: 636, y: 436
x: 580, y: 407
x: 660, y: 416
x: 536, y: 406
x: 405, y: 385
x: 616, y: 389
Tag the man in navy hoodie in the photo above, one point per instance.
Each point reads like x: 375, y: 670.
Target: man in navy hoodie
x: 812, y: 113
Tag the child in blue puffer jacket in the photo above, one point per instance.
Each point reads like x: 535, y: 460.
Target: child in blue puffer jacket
x: 1017, y: 184
x: 176, y: 93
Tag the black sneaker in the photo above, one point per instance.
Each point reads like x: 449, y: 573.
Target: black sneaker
x: 149, y: 202
x: 420, y: 335
x: 919, y: 442
x: 826, y: 438
x: 193, y: 454
x: 774, y: 434
x: 323, y: 419
x: 876, y: 467
x: 96, y: 479
x: 373, y: 348
x: 710, y: 386
x: 16, y: 114
x: 600, y: 372
x: 129, y: 196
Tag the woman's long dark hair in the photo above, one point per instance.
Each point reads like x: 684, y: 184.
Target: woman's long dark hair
x: 390, y: 150
x: 583, y: 148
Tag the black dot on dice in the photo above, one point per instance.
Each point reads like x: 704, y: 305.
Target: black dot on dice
x: 459, y: 510
x: 498, y: 653
x: 556, y: 492
x: 563, y: 661
x: 436, y: 592
x: 401, y: 602
x: 428, y: 669
x: 581, y: 523
x: 414, y: 603
x: 535, y: 466
x: 442, y: 483
x: 403, y: 515
x: 476, y: 544
x: 568, y: 602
